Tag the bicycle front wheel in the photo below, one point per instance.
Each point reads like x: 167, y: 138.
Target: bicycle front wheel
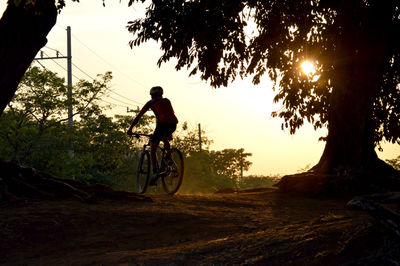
x: 173, y: 179
x: 143, y: 172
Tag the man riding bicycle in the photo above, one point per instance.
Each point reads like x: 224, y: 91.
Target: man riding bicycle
x: 166, y: 122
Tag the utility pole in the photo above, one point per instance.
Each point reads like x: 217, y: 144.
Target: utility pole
x: 200, y: 136
x: 241, y: 166
x: 69, y: 78
x: 69, y: 70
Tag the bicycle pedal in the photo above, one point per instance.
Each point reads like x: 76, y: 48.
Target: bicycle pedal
x: 163, y: 172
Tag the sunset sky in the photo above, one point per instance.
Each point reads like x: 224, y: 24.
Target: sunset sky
x: 237, y: 116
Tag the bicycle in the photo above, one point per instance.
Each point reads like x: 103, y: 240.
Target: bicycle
x: 171, y: 170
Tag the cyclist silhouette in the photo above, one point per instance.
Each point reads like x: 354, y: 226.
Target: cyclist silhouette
x: 166, y: 122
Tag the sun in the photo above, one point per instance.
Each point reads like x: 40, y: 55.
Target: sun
x: 307, y: 67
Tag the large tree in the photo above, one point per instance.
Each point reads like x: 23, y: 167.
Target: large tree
x: 354, y: 91
x: 23, y: 30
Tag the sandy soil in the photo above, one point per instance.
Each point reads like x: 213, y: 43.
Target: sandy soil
x: 255, y: 228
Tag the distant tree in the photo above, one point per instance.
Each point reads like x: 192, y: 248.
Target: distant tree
x: 187, y: 140
x: 354, y: 91
x: 34, y: 130
x: 41, y: 105
x: 230, y: 162
x: 208, y: 171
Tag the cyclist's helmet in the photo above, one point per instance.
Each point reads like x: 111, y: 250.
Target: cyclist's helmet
x: 156, y: 91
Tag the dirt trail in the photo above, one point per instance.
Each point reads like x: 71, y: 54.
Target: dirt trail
x: 246, y: 228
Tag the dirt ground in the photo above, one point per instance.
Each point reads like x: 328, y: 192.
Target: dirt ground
x: 254, y: 228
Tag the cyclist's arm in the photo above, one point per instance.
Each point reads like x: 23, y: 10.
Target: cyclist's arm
x: 145, y: 108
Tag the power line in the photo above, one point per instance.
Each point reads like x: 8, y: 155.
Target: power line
x: 88, y: 75
x: 127, y: 76
x: 114, y: 104
x: 58, y: 52
x: 104, y: 60
x: 119, y: 100
x: 60, y: 65
x: 85, y: 73
x: 112, y: 91
x: 74, y: 65
x: 51, y: 49
x: 54, y: 61
x: 70, y: 72
x: 41, y: 65
x: 127, y: 104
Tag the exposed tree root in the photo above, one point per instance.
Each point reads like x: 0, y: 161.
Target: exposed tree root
x: 315, y: 184
x: 379, y: 190
x: 18, y: 183
x: 385, y: 216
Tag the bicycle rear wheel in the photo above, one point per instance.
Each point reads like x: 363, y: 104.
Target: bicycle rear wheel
x: 143, y: 172
x: 174, y: 174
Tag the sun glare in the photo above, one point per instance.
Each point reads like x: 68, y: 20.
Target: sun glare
x: 307, y: 67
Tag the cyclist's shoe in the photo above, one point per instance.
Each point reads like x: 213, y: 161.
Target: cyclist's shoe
x: 153, y: 179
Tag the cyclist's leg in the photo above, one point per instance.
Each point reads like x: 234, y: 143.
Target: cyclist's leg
x: 153, y: 156
x: 167, y: 146
x: 167, y: 137
x: 155, y: 141
x: 154, y: 164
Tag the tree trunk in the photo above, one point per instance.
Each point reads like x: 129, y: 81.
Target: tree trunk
x: 362, y: 52
x: 349, y: 161
x: 23, y: 31
x: 350, y: 147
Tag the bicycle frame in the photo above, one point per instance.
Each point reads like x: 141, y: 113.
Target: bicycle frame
x: 171, y: 170
x: 148, y: 144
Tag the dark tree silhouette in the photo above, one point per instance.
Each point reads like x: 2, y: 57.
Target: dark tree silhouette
x: 354, y: 91
x: 23, y: 30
